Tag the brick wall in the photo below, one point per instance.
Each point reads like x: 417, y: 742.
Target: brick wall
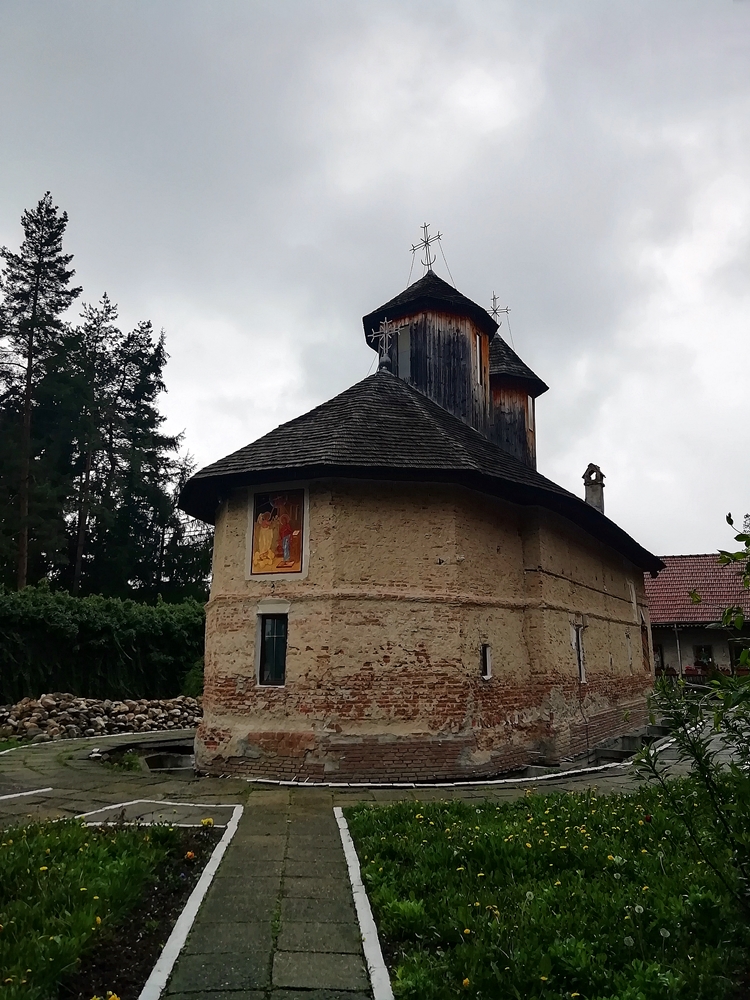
x: 383, y: 682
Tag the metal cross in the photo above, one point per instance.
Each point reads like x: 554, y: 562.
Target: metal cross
x: 384, y: 336
x: 496, y: 310
x: 424, y: 244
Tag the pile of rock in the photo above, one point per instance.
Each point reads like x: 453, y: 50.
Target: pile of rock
x: 63, y: 716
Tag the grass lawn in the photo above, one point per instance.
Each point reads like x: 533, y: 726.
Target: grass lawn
x: 551, y: 896
x: 63, y: 884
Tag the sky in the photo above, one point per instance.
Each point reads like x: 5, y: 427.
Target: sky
x: 250, y: 176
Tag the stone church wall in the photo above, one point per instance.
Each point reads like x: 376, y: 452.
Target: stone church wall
x: 383, y: 681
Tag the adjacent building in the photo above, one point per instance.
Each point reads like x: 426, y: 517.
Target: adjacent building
x: 685, y: 602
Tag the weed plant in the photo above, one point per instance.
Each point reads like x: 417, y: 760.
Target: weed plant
x: 552, y: 896
x: 60, y: 884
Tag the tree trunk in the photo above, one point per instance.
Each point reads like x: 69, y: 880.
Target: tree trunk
x: 83, y: 513
x: 23, y: 491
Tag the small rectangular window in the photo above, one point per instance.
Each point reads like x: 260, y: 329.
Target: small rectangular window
x: 579, y: 655
x: 704, y: 656
x: 530, y: 412
x: 486, y: 661
x: 273, y: 633
x: 478, y: 345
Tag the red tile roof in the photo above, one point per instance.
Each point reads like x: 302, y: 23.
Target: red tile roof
x: 719, y: 586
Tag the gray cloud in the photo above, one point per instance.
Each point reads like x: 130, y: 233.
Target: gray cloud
x: 251, y: 175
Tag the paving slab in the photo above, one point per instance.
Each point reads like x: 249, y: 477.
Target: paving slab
x: 335, y: 937
x: 298, y: 908
x: 306, y: 970
x: 247, y: 970
x: 230, y: 938
x: 322, y: 889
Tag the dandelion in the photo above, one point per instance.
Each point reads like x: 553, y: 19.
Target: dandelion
x: 543, y: 979
x: 459, y: 869
x: 529, y: 896
x: 644, y: 851
x: 558, y: 882
x: 638, y: 908
x: 43, y: 868
x: 84, y: 889
x: 644, y: 889
x: 618, y: 875
x: 664, y: 932
x: 98, y: 921
x: 610, y: 857
x: 466, y: 983
x: 190, y: 855
x: 528, y: 845
x: 466, y: 930
x: 208, y: 821
x: 629, y: 941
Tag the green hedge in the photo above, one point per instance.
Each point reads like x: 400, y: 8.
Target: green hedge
x: 95, y: 647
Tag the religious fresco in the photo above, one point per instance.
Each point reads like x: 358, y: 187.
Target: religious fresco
x: 277, y: 532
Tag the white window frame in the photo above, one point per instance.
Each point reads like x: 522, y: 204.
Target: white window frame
x: 485, y: 653
x: 269, y: 606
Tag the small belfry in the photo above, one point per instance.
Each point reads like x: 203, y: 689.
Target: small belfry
x: 397, y: 593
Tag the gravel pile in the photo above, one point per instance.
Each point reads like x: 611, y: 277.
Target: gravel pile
x: 63, y: 716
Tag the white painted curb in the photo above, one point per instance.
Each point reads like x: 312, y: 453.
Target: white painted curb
x: 379, y: 978
x: 18, y: 795
x: 163, y: 969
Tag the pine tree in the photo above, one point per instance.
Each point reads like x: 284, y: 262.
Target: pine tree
x: 36, y: 292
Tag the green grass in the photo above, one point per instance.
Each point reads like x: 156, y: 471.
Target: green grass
x: 60, y: 884
x: 552, y: 896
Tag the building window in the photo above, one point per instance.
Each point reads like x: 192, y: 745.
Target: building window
x: 703, y: 656
x: 486, y: 661
x: 273, y: 633
x: 580, y: 660
x: 530, y: 413
x: 478, y: 345
x: 403, y: 359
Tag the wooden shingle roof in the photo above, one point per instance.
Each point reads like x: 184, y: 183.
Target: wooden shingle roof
x: 430, y: 292
x: 505, y: 361
x: 383, y: 428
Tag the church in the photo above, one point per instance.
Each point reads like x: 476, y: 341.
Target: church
x: 397, y: 594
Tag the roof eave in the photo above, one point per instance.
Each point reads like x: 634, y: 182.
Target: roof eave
x: 202, y: 495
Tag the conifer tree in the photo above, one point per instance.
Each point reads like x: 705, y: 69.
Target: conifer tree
x: 35, y: 284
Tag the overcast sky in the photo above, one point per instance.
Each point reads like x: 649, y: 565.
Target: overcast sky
x: 250, y: 177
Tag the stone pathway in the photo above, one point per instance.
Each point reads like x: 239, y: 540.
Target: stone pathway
x: 278, y: 921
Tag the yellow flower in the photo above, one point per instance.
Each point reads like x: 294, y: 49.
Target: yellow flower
x: 644, y: 851
x: 585, y: 847
x: 98, y: 921
x: 190, y: 855
x: 528, y: 845
x: 575, y: 994
x: 84, y: 889
x: 43, y: 868
x: 558, y: 882
x: 459, y: 869
x: 610, y: 857
x: 466, y: 983
x: 644, y: 889
x: 207, y: 821
x: 543, y: 979
x: 481, y: 875
x: 466, y: 930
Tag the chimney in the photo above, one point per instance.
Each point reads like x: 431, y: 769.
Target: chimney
x: 593, y: 478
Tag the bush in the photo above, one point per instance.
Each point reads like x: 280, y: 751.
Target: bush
x: 96, y: 647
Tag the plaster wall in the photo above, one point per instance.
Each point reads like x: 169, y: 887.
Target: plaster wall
x: 405, y: 583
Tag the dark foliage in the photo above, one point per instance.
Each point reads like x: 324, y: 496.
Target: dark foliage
x: 97, y: 647
x: 88, y: 479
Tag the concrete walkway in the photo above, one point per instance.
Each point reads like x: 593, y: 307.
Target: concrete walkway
x: 278, y: 921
